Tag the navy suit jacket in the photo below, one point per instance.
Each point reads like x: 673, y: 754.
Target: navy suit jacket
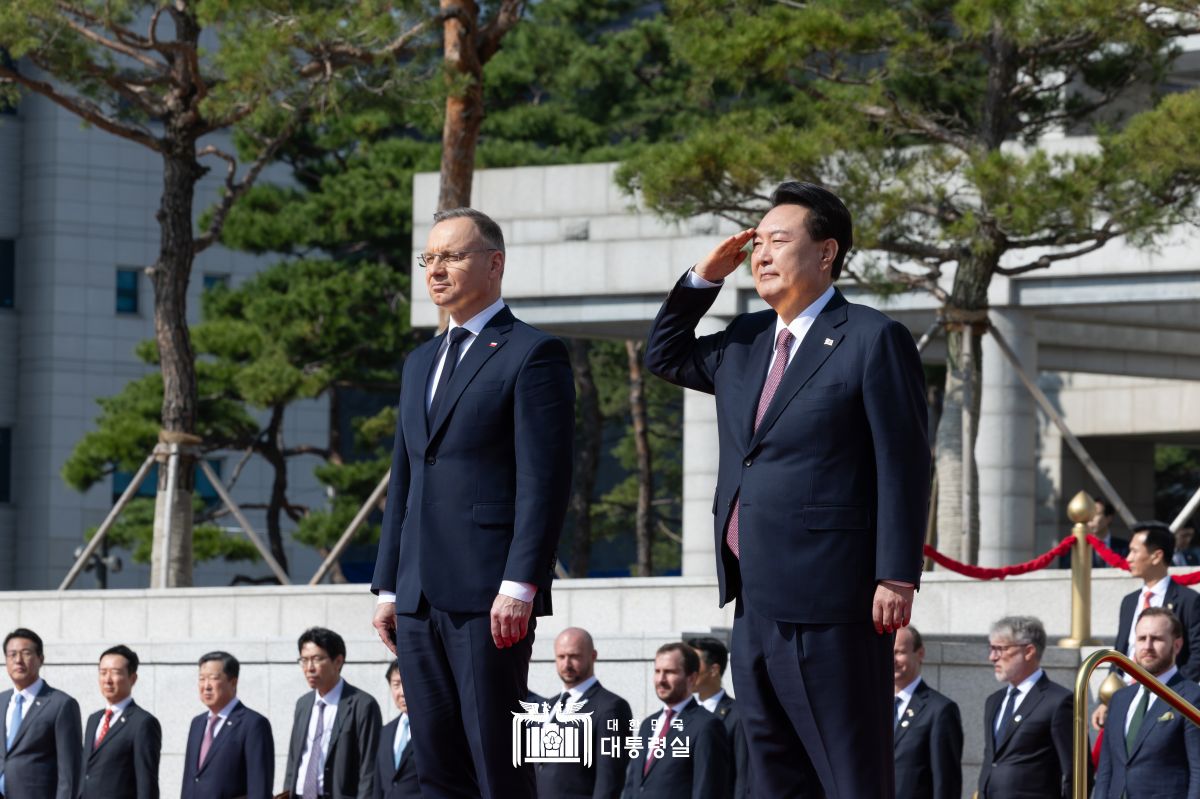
x: 928, y: 744
x: 392, y: 782
x: 1184, y: 603
x: 1164, y: 762
x: 44, y: 761
x: 241, y: 762
x: 703, y: 774
x: 478, y: 494
x: 834, y: 484
x: 1033, y: 760
x: 125, y: 765
x: 605, y: 778
x: 739, y: 765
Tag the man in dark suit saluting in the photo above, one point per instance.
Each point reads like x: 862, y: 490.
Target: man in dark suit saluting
x: 39, y: 727
x: 1150, y: 749
x: 1027, y: 724
x: 335, y: 732
x: 481, y: 474
x: 230, y: 753
x: 395, y: 767
x: 929, y: 735
x: 122, y: 743
x: 822, y: 491
x: 692, y: 760
x: 575, y: 660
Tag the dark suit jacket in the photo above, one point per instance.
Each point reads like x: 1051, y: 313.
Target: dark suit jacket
x: 240, y: 763
x: 44, y: 761
x: 478, y: 495
x: 606, y: 777
x: 739, y: 771
x: 350, y: 761
x: 1184, y: 603
x: 1164, y: 762
x: 392, y: 782
x: 928, y: 746
x: 1033, y: 760
x: 703, y: 774
x: 125, y: 765
x: 834, y: 485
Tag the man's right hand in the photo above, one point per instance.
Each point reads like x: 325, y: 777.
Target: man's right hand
x: 1099, y: 715
x: 721, y: 262
x: 385, y: 624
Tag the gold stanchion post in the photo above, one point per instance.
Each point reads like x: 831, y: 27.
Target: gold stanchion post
x: 1080, y: 511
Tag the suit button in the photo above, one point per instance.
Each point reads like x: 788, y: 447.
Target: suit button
x: 748, y: 461
x: 430, y: 460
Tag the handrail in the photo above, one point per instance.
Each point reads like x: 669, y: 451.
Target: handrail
x: 1079, y: 749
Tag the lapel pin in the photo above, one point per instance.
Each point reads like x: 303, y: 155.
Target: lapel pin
x: 493, y: 344
x: 1016, y: 719
x: 904, y: 723
x: 909, y: 712
x: 828, y: 342
x: 1171, y: 606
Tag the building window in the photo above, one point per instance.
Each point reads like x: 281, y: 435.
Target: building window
x: 8, y: 272
x: 127, y: 291
x: 5, y: 465
x: 149, y: 486
x: 211, y: 281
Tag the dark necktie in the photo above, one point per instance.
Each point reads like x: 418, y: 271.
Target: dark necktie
x: 457, y: 336
x: 314, y: 755
x: 1135, y: 723
x: 662, y: 733
x: 782, y: 347
x: 896, y: 715
x: 1010, y: 709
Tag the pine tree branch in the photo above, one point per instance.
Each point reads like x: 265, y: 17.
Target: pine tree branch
x: 1045, y: 261
x: 507, y: 16
x: 326, y: 61
x: 137, y: 54
x: 82, y: 108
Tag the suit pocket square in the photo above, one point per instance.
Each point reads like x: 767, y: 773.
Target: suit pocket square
x: 1168, y: 716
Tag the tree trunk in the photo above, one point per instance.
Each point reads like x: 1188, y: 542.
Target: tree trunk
x: 273, y: 453
x: 169, y: 276
x: 464, y: 102
x: 641, y: 438
x: 589, y: 432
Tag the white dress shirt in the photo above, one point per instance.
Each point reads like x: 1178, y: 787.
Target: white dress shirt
x: 712, y: 702
x: 1163, y: 678
x: 117, y: 710
x: 1023, y: 691
x: 331, y: 700
x: 224, y: 715
x: 30, y: 693
x: 905, y: 696
x: 1158, y: 598
x: 522, y: 591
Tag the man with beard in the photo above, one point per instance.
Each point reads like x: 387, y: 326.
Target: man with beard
x: 1150, y: 749
x: 575, y: 659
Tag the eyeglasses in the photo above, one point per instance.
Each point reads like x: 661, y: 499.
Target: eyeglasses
x: 428, y: 259
x: 1001, y: 649
x: 316, y: 660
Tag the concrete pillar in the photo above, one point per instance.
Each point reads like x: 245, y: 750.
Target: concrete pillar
x: 700, y: 455
x: 1005, y: 451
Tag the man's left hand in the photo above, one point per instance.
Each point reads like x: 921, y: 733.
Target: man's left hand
x: 510, y: 620
x: 892, y: 608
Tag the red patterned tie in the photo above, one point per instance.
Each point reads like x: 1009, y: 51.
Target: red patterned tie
x: 1146, y: 599
x: 774, y: 378
x: 662, y: 733
x: 104, y: 728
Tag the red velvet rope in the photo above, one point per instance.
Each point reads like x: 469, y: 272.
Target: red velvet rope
x: 1107, y: 555
x: 999, y: 573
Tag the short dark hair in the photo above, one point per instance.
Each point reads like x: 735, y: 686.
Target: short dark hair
x: 1176, y: 624
x: 714, y: 651
x: 229, y: 664
x: 1158, y: 536
x: 487, y: 227
x: 393, y: 668
x: 29, y: 635
x: 1109, y: 510
x: 131, y: 658
x: 828, y: 217
x: 917, y: 641
x: 328, y: 640
x: 691, y: 661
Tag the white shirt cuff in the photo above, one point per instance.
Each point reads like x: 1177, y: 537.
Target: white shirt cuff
x: 522, y: 591
x: 694, y: 281
x: 386, y: 597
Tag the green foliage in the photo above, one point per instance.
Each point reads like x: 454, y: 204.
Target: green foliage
x: 134, y: 531
x: 1176, y: 479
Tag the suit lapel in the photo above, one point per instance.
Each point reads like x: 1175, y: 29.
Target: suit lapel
x: 1150, y: 720
x: 300, y: 727
x: 224, y: 733
x: 31, y: 712
x: 113, y: 730
x: 761, y: 352
x: 424, y: 359
x: 913, y: 712
x: 489, y: 341
x: 812, y: 353
x: 343, y: 710
x: 1024, y: 710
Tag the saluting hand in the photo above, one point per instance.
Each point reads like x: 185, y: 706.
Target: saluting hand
x: 510, y: 620
x: 721, y: 262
